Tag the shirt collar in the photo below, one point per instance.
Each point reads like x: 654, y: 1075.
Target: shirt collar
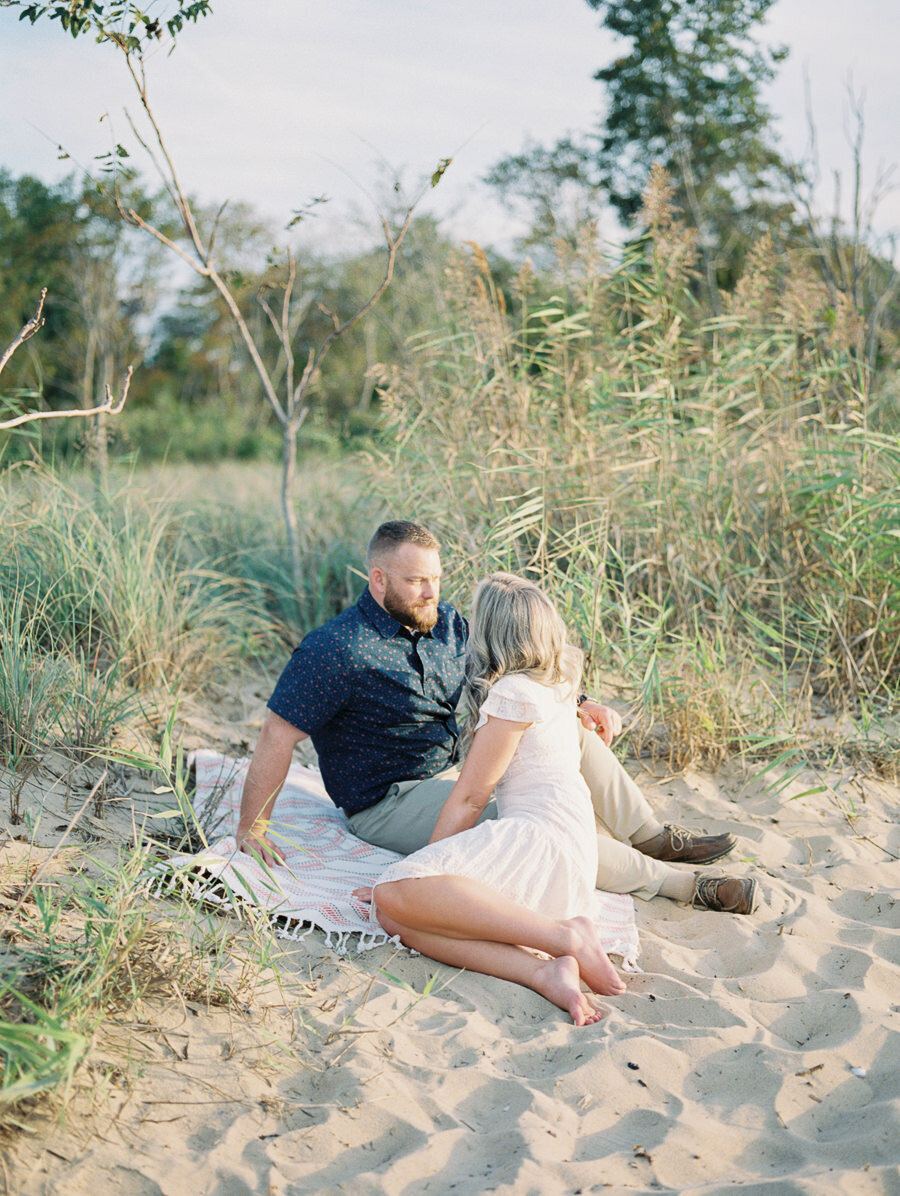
x: 386, y: 625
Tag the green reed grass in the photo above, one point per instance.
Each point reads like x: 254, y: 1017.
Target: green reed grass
x: 33, y: 685
x: 232, y: 520
x: 246, y: 545
x: 37, y: 1056
x: 106, y: 574
x: 70, y: 957
x: 676, y: 481
x: 80, y: 953
x: 100, y: 701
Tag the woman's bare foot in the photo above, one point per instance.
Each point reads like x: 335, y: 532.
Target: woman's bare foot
x: 557, y: 980
x: 593, y: 963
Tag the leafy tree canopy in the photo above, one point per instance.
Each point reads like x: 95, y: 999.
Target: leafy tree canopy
x: 119, y: 21
x: 686, y: 93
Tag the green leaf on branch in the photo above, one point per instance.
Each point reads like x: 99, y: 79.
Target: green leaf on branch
x: 440, y: 171
x: 308, y: 209
x: 122, y: 23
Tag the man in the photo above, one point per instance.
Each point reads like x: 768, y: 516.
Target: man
x: 376, y: 689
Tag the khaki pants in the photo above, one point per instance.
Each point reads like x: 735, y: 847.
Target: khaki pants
x: 404, y: 819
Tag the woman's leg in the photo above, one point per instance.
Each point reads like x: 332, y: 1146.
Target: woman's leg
x: 455, y: 907
x: 555, y: 979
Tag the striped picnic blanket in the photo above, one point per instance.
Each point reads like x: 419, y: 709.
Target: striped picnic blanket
x: 324, y: 863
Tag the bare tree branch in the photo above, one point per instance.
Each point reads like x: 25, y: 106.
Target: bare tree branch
x: 215, y: 230
x: 283, y: 327
x: 247, y: 337
x: 266, y: 306
x: 184, y: 206
x: 330, y: 314
x: 28, y: 331
x: 166, y: 181
x: 132, y: 217
x: 205, y: 269
x: 110, y: 407
x: 393, y: 244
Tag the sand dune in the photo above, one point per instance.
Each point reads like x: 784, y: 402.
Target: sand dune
x: 760, y: 1053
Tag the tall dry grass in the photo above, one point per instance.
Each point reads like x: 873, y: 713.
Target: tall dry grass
x: 706, y: 498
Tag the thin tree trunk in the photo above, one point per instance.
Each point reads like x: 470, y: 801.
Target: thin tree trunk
x: 100, y: 451
x: 100, y: 436
x: 95, y: 436
x: 87, y: 374
x: 288, y: 509
x: 368, y: 386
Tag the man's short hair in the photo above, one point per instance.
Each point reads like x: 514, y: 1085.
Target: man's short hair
x: 391, y: 535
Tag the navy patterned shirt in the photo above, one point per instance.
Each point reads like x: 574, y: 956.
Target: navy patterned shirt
x: 377, y: 700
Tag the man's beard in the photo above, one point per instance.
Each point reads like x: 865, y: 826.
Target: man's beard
x: 419, y: 617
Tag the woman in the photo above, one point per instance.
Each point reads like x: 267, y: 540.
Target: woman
x: 477, y: 896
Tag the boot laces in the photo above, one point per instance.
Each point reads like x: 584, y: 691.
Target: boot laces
x: 679, y: 837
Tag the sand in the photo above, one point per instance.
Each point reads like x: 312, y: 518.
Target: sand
x: 760, y: 1053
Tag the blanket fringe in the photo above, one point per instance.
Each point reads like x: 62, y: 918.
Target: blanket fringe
x: 337, y: 941
x: 163, y: 882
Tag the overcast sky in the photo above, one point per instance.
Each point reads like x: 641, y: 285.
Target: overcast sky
x: 279, y: 101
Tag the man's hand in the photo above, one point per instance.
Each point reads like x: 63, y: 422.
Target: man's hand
x: 255, y: 843
x: 605, y: 721
x: 265, y: 776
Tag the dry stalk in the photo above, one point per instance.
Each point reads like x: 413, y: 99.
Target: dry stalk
x: 110, y: 407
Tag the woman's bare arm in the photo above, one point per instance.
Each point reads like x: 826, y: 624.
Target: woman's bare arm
x: 493, y: 746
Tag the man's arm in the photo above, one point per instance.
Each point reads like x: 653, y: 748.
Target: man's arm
x: 605, y: 721
x: 265, y: 776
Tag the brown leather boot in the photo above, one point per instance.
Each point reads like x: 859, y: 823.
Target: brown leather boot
x: 724, y: 894
x: 675, y: 844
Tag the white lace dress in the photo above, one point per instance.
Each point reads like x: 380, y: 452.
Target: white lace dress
x: 542, y: 850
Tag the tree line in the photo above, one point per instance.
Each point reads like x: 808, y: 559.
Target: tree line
x: 115, y: 298
x: 684, y: 94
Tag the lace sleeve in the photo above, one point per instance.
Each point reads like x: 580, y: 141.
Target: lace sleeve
x: 516, y: 698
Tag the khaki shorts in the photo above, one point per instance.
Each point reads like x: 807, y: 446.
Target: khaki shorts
x: 404, y: 818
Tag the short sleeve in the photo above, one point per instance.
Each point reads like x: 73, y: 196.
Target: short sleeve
x: 314, y: 685
x: 516, y: 698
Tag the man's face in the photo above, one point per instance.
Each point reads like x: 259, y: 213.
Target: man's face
x: 408, y: 586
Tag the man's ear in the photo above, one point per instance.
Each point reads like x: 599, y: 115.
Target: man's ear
x: 377, y: 581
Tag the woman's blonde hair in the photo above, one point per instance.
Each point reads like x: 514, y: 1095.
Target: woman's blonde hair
x: 514, y: 628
